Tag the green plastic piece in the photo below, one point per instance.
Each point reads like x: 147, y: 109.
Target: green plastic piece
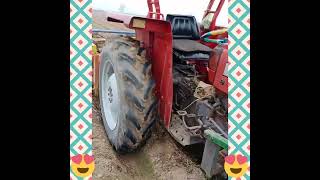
x: 216, y: 138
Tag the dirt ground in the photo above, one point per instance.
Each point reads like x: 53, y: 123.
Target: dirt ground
x: 161, y: 158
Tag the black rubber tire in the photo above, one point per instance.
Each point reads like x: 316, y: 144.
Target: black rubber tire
x: 136, y: 86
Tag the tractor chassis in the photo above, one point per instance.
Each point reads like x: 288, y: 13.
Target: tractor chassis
x: 214, y: 144
x: 181, y: 134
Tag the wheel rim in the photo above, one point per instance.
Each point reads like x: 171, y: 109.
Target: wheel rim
x: 110, y: 98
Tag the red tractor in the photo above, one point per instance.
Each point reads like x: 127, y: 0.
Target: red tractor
x: 173, y: 71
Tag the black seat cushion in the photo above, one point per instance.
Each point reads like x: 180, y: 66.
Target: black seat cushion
x: 186, y: 49
x: 184, y: 27
x: 187, y: 45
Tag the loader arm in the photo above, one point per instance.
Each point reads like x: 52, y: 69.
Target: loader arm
x: 216, y: 12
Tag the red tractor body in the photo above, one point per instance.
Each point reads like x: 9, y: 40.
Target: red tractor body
x: 155, y: 35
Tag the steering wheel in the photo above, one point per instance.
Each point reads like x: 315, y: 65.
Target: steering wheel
x: 224, y: 41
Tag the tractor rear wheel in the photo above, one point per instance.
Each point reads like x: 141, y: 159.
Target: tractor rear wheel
x: 127, y: 101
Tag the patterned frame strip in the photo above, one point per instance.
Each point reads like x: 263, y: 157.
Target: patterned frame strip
x: 80, y: 78
x: 239, y: 79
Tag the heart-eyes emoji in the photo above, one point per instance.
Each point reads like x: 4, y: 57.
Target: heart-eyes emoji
x: 236, y: 165
x: 82, y: 165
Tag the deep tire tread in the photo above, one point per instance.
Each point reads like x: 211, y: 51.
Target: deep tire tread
x: 133, y: 79
x: 127, y: 58
x: 133, y: 119
x: 138, y: 87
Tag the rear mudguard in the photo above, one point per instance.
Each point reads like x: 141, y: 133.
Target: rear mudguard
x: 156, y: 37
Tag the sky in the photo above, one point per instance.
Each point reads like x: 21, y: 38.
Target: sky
x: 183, y: 7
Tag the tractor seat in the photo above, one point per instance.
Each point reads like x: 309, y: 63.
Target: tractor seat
x: 186, y: 34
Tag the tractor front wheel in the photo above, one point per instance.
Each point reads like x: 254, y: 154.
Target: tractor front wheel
x: 127, y: 101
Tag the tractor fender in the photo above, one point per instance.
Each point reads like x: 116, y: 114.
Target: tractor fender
x: 156, y: 37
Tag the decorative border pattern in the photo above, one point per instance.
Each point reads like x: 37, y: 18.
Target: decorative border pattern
x: 80, y: 79
x: 239, y: 79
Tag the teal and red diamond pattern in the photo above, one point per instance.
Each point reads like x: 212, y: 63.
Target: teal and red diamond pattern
x: 80, y: 79
x: 239, y: 79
